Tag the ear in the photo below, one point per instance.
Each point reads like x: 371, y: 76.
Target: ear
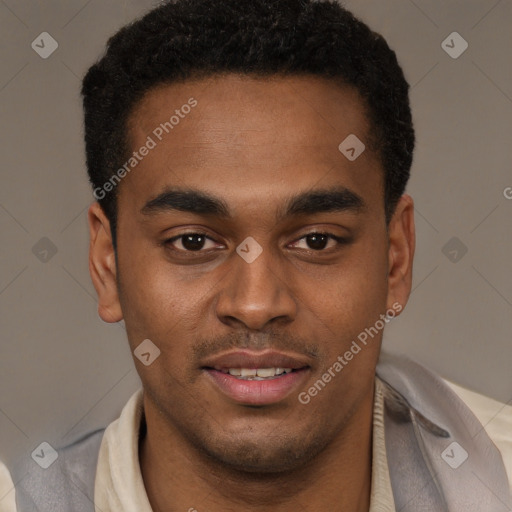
x: 102, y: 265
x: 401, y: 245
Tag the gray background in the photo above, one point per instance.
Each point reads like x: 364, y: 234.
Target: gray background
x: 63, y: 371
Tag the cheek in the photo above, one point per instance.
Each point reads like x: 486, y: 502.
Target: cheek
x: 155, y: 305
x: 347, y: 311
x: 352, y: 295
x: 155, y: 308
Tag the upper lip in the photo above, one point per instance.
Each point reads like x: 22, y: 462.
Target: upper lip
x: 250, y: 359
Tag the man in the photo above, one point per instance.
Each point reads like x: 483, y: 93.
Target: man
x: 249, y: 161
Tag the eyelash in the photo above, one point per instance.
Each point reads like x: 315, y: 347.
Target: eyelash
x: 340, y: 241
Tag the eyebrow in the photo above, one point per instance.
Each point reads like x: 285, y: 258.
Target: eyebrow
x: 338, y: 199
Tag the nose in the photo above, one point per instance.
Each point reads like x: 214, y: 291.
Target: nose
x: 256, y: 294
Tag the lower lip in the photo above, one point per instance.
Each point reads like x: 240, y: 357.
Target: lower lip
x: 257, y: 392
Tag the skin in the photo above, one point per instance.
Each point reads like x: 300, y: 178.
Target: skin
x: 253, y: 143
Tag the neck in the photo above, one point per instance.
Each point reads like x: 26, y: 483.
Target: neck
x: 177, y: 477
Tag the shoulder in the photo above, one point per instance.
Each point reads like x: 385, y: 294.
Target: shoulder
x: 7, y: 498
x: 65, y: 483
x: 483, y: 423
x: 495, y: 417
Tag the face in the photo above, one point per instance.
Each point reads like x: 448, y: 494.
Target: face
x: 247, y: 239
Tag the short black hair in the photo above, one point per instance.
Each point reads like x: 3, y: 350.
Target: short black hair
x: 184, y: 39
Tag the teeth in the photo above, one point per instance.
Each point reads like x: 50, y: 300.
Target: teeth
x: 255, y: 373
x: 266, y: 372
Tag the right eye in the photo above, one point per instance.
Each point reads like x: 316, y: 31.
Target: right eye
x: 189, y: 242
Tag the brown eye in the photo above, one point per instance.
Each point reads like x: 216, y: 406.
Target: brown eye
x: 320, y: 241
x: 190, y: 242
x: 317, y: 241
x: 193, y: 242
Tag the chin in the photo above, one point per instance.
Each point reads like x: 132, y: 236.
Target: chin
x: 264, y: 456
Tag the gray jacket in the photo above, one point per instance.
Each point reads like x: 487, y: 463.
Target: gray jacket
x: 440, y: 457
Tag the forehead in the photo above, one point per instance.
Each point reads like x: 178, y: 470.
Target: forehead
x: 246, y: 136
x: 249, y: 106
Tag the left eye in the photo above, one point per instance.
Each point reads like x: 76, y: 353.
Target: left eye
x: 319, y: 241
x: 194, y: 242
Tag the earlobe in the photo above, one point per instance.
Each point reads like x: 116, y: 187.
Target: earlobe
x: 102, y: 265
x: 402, y: 242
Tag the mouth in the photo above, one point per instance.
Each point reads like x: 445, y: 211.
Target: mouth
x: 255, y: 373
x: 250, y: 378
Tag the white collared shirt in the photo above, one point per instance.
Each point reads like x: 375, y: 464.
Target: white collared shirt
x: 119, y: 483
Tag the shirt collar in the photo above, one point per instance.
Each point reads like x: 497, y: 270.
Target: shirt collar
x: 119, y: 484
